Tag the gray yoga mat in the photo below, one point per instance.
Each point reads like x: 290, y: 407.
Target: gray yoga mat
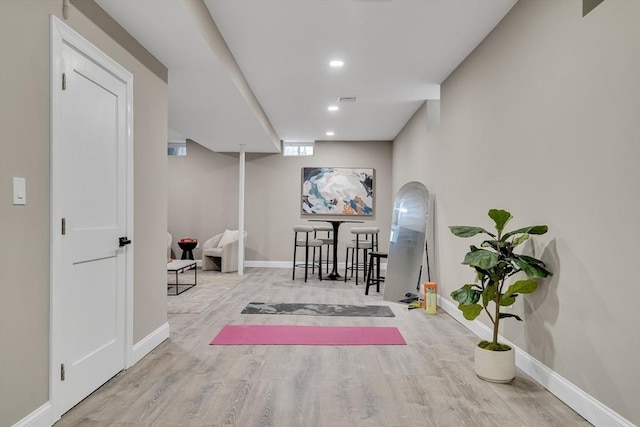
x: 318, y: 309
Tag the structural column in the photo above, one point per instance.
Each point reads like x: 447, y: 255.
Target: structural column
x: 241, y: 168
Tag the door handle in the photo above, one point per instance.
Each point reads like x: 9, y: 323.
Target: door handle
x: 124, y: 241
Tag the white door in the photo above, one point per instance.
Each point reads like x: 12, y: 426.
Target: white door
x: 90, y: 208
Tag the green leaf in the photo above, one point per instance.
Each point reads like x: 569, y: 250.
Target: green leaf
x: 490, y: 244
x: 505, y: 315
x: 500, y: 217
x: 533, y: 268
x: 531, y: 260
x: 467, y: 294
x: 488, y: 294
x: 465, y: 231
x: 481, y: 258
x: 522, y: 287
x: 536, y: 229
x: 493, y: 275
x: 470, y: 312
x: 520, y: 239
x: 506, y: 301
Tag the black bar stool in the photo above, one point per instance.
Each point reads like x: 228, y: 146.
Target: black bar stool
x: 327, y: 240
x: 306, y: 243
x: 366, y: 240
x: 373, y: 273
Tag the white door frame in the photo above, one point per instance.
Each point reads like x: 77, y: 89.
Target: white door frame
x: 62, y: 34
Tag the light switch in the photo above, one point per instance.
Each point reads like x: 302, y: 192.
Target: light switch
x: 19, y: 191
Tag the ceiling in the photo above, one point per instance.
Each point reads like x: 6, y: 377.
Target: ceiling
x: 255, y: 72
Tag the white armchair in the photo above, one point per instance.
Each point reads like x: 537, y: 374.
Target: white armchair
x: 221, y: 252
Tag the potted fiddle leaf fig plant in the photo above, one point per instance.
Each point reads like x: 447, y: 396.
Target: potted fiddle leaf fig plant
x: 496, y: 263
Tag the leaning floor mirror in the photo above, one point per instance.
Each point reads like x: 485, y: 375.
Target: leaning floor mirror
x: 408, y: 240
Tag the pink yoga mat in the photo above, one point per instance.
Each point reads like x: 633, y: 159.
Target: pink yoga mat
x: 307, y: 335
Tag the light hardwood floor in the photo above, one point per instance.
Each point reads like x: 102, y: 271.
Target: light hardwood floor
x: 428, y: 382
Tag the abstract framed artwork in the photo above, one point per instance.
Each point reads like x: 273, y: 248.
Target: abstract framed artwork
x: 337, y: 191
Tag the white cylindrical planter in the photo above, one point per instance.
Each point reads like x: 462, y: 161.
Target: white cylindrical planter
x: 495, y: 366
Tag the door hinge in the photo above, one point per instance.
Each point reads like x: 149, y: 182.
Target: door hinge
x: 64, y: 226
x: 62, y: 373
x: 64, y: 81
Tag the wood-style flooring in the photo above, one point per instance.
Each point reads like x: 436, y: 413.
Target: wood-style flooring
x: 429, y: 382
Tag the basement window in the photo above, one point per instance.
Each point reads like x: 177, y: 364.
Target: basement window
x: 177, y: 148
x: 297, y: 148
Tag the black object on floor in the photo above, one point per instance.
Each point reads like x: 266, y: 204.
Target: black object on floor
x: 319, y: 309
x: 373, y: 272
x: 409, y: 298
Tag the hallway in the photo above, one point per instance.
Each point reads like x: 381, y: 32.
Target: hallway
x: 428, y: 382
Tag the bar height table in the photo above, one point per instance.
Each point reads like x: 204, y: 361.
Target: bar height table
x: 336, y: 226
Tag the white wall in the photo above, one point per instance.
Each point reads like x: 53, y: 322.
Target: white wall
x: 542, y: 119
x: 415, y: 158
x: 415, y: 148
x: 273, y: 201
x: 203, y: 195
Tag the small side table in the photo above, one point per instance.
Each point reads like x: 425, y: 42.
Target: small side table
x: 187, y: 247
x: 179, y: 266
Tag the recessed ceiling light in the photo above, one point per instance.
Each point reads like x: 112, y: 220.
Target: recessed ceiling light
x: 330, y: 133
x: 336, y: 63
x: 333, y: 108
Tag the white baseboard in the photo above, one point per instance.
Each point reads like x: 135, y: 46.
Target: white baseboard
x: 41, y: 417
x: 148, y: 343
x: 268, y: 264
x: 584, y: 404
